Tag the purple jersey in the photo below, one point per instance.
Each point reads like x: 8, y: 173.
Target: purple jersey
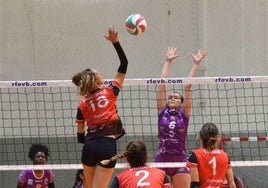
x: 238, y: 183
x: 28, y: 178
x: 79, y: 186
x: 172, y: 132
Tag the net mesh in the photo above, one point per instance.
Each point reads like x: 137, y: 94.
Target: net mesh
x: 38, y: 35
x: 45, y: 111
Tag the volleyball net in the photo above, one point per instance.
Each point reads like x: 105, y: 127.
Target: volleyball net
x: 45, y: 111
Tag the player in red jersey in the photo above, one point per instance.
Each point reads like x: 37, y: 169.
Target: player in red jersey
x: 139, y: 174
x: 97, y: 111
x: 208, y: 165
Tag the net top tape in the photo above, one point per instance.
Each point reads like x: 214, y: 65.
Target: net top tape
x: 120, y: 165
x: 141, y: 81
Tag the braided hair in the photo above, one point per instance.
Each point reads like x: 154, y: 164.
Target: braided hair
x: 135, y: 154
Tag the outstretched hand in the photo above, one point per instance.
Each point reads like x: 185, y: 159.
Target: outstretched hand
x: 112, y: 34
x: 202, y: 53
x: 171, y: 54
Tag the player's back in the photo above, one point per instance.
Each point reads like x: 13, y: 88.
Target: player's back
x: 212, y: 167
x: 143, y: 177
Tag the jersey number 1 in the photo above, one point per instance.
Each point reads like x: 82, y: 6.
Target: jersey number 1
x: 214, y: 164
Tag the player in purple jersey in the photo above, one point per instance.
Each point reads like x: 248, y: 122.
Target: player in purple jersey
x: 37, y: 178
x: 173, y: 121
x: 237, y: 180
x: 79, y: 179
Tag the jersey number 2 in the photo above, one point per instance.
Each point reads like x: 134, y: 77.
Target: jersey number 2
x: 141, y: 181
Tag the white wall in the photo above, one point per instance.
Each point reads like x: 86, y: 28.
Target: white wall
x: 54, y: 39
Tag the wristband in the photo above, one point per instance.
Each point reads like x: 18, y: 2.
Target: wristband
x: 195, y: 184
x: 81, y: 137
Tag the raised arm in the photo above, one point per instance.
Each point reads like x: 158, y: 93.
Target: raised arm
x: 202, y: 53
x: 161, y: 93
x: 122, y: 69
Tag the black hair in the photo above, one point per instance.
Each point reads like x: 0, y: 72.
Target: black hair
x: 135, y: 153
x: 37, y: 147
x: 78, y: 179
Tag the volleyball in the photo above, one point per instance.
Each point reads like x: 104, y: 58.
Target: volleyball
x: 136, y: 24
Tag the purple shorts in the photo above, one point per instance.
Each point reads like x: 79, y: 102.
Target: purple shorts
x: 172, y: 171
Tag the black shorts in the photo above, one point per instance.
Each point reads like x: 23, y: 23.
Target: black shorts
x: 97, y: 149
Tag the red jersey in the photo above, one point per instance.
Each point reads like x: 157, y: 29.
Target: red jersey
x: 99, y: 110
x: 141, y: 177
x: 212, y: 166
